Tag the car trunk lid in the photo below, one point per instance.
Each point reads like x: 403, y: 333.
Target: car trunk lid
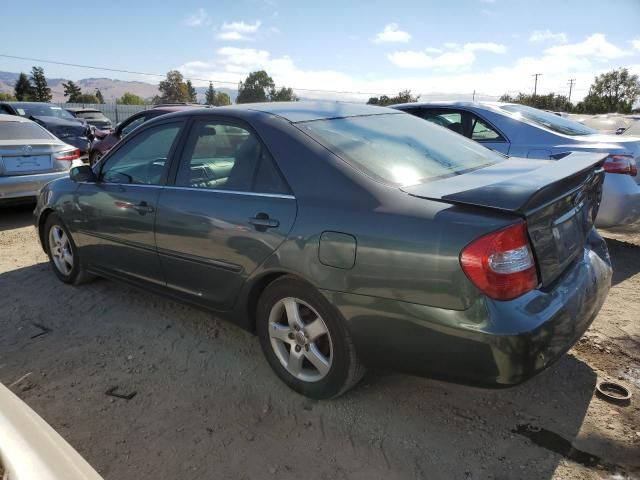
x: 559, y: 200
x: 26, y: 158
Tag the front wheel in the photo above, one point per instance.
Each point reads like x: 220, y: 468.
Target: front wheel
x: 63, y: 253
x: 305, y: 340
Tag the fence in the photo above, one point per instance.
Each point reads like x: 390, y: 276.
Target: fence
x: 113, y: 111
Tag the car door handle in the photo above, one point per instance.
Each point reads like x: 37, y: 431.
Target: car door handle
x: 142, y: 207
x: 262, y: 221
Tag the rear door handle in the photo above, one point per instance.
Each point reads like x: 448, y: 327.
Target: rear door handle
x: 262, y: 221
x: 142, y: 207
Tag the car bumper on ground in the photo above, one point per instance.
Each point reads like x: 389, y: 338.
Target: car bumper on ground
x: 620, y: 202
x: 491, y: 344
x: 26, y: 186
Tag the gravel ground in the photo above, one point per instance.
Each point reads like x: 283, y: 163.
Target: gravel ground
x: 207, y: 405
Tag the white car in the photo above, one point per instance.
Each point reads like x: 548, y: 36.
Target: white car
x: 31, y: 450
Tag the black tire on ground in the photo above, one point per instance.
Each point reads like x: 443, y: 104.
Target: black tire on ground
x: 345, y: 370
x: 77, y: 274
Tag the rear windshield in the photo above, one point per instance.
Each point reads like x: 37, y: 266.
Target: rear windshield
x: 400, y: 149
x: 90, y: 115
x: 23, y: 131
x: 549, y: 120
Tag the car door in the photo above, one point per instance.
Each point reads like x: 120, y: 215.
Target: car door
x: 117, y: 213
x: 228, y: 210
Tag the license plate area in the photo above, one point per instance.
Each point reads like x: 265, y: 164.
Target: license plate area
x: 26, y: 163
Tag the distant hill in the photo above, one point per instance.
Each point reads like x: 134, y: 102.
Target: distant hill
x: 111, y: 88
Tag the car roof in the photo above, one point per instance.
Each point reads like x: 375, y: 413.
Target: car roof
x: 21, y: 104
x: 77, y: 109
x: 452, y: 103
x: 173, y: 108
x: 13, y: 118
x: 300, y: 111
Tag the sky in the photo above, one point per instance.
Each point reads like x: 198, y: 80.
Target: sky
x: 373, y: 47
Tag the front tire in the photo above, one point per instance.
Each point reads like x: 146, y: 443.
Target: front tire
x: 305, y: 340
x: 63, y: 253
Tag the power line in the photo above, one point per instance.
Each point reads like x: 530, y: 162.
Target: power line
x: 93, y: 67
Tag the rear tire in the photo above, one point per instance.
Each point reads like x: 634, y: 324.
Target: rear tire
x: 64, y: 256
x: 305, y: 340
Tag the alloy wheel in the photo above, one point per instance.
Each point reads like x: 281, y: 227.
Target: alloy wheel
x: 300, y: 339
x: 61, y: 251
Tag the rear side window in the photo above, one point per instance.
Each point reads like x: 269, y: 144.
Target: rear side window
x: 482, y: 132
x: 399, y: 149
x: 220, y: 156
x: 23, y: 131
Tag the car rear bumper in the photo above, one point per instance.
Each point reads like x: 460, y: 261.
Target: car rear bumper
x: 81, y: 143
x: 25, y: 186
x: 491, y: 344
x: 620, y: 202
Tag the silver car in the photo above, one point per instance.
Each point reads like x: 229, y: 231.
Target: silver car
x: 521, y: 131
x: 30, y: 157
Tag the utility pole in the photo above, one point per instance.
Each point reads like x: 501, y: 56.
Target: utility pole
x: 572, y: 82
x: 535, y: 85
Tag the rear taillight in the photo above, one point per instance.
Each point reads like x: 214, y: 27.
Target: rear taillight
x: 69, y: 155
x: 501, y: 263
x: 623, y: 164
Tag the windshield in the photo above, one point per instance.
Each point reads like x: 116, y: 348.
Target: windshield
x: 91, y: 115
x: 549, y: 120
x: 23, y: 131
x: 400, y: 149
x: 43, y: 110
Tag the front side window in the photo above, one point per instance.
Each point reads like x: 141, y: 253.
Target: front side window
x: 548, y: 120
x: 399, y: 149
x: 449, y: 119
x: 131, y: 126
x: 220, y: 156
x: 142, y: 160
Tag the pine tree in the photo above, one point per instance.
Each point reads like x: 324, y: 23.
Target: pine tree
x: 41, y: 91
x: 193, y: 96
x: 99, y: 96
x: 23, y: 89
x: 210, y: 95
x: 72, y: 91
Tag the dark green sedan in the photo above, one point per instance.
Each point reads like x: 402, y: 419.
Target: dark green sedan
x: 347, y: 237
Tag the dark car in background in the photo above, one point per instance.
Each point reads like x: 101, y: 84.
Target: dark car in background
x: 345, y: 236
x: 93, y: 117
x: 57, y: 120
x: 104, y: 141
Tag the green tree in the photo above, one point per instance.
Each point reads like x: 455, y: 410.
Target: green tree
x: 86, y: 98
x: 72, y: 91
x: 99, y: 96
x: 210, y: 95
x: 6, y: 97
x: 23, y: 90
x: 41, y: 91
x: 129, y: 98
x: 550, y: 101
x: 222, y: 99
x: 614, y: 91
x: 255, y: 88
x: 402, y: 97
x: 193, y: 96
x: 173, y: 89
x: 283, y: 95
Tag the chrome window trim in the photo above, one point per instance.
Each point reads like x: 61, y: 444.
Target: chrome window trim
x: 193, y: 189
x: 232, y: 192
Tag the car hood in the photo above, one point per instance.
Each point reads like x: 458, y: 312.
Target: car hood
x: 55, y: 121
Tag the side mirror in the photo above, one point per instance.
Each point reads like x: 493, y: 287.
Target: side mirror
x: 82, y: 173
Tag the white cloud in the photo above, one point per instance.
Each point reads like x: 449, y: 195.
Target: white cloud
x: 596, y: 46
x: 548, y: 36
x: 452, y: 79
x: 456, y: 58
x: 198, y: 19
x: 636, y: 43
x: 238, y: 30
x: 392, y: 34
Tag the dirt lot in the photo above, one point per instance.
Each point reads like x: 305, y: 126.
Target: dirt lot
x: 207, y: 405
